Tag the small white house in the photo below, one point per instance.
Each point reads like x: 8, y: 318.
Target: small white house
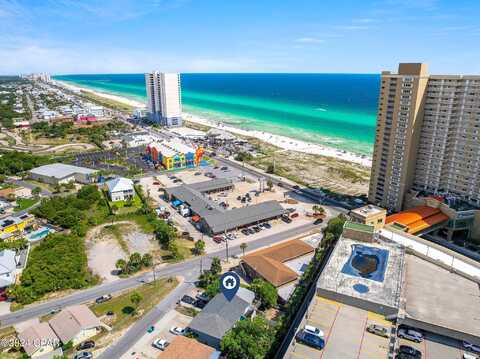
x: 120, y: 189
x: 8, y: 268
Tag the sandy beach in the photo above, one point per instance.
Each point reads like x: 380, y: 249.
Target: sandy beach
x: 283, y: 142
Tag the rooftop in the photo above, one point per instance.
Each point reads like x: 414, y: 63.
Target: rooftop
x: 60, y: 170
x: 120, y: 184
x: 70, y: 321
x: 418, y: 218
x: 359, y: 227
x: 183, y: 347
x: 440, y: 297
x: 33, y: 337
x: 269, y: 262
x: 220, y: 315
x: 385, y: 291
x: 368, y: 210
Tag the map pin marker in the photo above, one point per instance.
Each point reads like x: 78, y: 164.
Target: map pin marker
x: 229, y: 284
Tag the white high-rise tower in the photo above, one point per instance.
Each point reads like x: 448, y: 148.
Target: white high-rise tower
x: 164, y: 98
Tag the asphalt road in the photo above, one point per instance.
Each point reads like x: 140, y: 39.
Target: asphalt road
x: 188, y: 269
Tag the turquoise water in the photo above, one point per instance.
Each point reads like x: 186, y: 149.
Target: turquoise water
x: 337, y: 110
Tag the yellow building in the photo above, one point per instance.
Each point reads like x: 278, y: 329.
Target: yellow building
x: 13, y: 227
x: 370, y: 215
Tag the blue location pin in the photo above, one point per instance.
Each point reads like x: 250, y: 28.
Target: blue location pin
x: 229, y: 284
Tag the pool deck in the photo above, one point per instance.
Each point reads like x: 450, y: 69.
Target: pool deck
x: 383, y: 293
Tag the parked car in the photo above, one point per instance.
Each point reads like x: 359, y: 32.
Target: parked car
x: 310, y: 340
x: 156, y: 183
x: 405, y: 349
x: 294, y: 215
x: 256, y: 229
x: 83, y: 355
x: 290, y: 210
x: 224, y: 168
x: 469, y: 356
x: 203, y: 296
x: 378, y: 330
x: 178, y: 330
x: 267, y: 225
x: 218, y: 239
x: 314, y: 330
x: 150, y: 329
x: 251, y: 230
x: 198, y: 173
x: 110, y: 313
x: 318, y: 221
x: 200, y: 304
x: 187, y: 299
x: 471, y: 347
x: 410, y: 334
x: 160, y: 344
x: 245, y: 232
x: 286, y: 219
x: 103, y: 298
x: 296, y: 187
x: 404, y: 356
x: 89, y: 344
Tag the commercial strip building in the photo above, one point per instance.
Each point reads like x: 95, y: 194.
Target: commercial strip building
x: 403, y: 277
x: 164, y: 98
x: 60, y: 173
x: 427, y: 137
x: 220, y: 315
x: 174, y: 154
x: 213, y: 219
x: 280, y: 265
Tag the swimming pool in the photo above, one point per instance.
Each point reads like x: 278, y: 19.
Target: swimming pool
x: 367, y: 262
x: 39, y: 234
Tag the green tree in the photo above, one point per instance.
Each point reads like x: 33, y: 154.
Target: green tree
x: 199, y: 247
x: 174, y: 250
x: 243, y: 246
x: 121, y: 265
x: 270, y: 168
x: 36, y: 191
x: 57, y: 188
x: 216, y: 266
x: 134, y: 262
x: 136, y: 298
x: 213, y: 288
x: 114, y: 209
x: 269, y: 184
x: 318, y: 209
x: 265, y: 292
x: 248, y: 339
x: 147, y: 260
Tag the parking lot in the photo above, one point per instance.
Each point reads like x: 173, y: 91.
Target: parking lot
x: 436, y: 347
x: 345, y: 332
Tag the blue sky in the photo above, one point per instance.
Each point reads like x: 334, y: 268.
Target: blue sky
x: 126, y: 36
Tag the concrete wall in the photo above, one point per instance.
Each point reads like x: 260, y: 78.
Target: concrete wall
x: 451, y: 333
x: 384, y: 310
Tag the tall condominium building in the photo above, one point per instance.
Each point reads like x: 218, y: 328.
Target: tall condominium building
x: 427, y: 137
x: 164, y: 98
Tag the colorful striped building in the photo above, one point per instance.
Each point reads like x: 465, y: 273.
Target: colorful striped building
x: 173, y: 154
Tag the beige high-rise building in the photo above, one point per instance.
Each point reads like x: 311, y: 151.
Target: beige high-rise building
x: 427, y: 137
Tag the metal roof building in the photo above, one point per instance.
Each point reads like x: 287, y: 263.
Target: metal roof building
x: 56, y: 173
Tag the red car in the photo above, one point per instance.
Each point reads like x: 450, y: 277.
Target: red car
x: 294, y: 215
x: 218, y: 239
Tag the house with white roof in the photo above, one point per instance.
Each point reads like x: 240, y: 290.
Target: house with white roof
x: 120, y: 189
x: 60, y: 173
x: 8, y: 268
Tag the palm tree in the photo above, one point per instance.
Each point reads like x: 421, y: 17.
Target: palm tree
x: 121, y: 265
x: 243, y: 246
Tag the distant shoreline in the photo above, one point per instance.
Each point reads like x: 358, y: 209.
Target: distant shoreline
x: 283, y: 142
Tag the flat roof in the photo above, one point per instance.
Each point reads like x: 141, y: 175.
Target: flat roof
x: 212, y: 185
x: 368, y: 210
x: 198, y: 202
x: 359, y: 227
x: 240, y: 217
x: 385, y: 292
x: 61, y: 170
x: 440, y: 297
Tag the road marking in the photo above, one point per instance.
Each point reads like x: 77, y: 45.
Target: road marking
x: 329, y: 332
x: 299, y: 355
x: 363, y: 336
x: 380, y: 319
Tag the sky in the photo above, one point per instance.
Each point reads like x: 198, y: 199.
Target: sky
x: 325, y: 36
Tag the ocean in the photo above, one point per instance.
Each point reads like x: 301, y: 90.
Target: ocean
x: 335, y: 110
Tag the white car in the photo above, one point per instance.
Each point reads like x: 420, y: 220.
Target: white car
x: 177, y: 330
x: 313, y: 330
x: 471, y: 347
x: 469, y: 356
x: 160, y: 344
x: 410, y: 334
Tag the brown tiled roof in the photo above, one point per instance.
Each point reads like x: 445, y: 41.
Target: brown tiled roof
x: 186, y: 348
x: 268, y: 262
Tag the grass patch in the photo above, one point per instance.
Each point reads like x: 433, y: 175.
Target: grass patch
x: 184, y: 248
x: 128, y: 206
x: 189, y: 312
x: 24, y: 203
x: 117, y: 231
x: 122, y: 306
